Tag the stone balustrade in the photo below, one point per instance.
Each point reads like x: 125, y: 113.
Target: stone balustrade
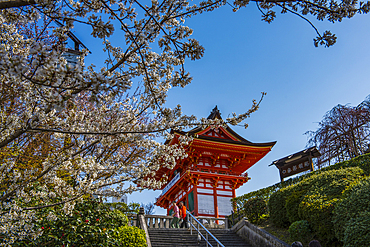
x: 158, y: 221
x: 213, y: 223
x: 132, y: 220
x: 162, y: 221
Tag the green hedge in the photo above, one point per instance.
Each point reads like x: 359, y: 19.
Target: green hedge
x: 264, y: 193
x: 130, y: 236
x: 254, y: 209
x: 313, y: 199
x: 330, y: 200
x: 284, y: 204
x: 356, y: 200
x: 301, y: 231
x: 327, y: 184
x: 277, y: 209
x: 357, y: 231
x: 318, y: 209
x: 362, y: 162
x: 292, y: 202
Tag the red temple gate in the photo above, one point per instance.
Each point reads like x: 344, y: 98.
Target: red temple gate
x: 215, y: 167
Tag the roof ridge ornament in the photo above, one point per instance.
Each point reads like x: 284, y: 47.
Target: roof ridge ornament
x: 215, y: 113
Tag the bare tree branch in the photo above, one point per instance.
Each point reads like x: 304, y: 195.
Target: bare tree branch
x: 5, y: 4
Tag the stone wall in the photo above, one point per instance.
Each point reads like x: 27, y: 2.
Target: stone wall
x: 256, y: 236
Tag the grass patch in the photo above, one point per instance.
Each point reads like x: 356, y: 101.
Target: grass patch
x: 280, y: 233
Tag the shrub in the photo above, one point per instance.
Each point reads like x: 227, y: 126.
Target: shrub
x: 327, y: 183
x: 325, y: 191
x: 313, y: 199
x: 91, y: 223
x: 362, y: 161
x: 356, y: 199
x: 317, y: 210
x: 357, y: 231
x: 292, y: 203
x: 331, y: 182
x: 301, y: 231
x: 254, y: 209
x: 277, y: 210
x: 130, y: 236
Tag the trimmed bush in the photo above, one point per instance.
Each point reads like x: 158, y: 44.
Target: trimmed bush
x: 313, y: 199
x: 317, y: 210
x: 356, y: 199
x: 357, y: 231
x: 284, y: 204
x: 325, y: 191
x: 301, y: 231
x: 277, y: 210
x: 292, y: 203
x: 331, y: 183
x: 254, y: 209
x: 362, y: 162
x: 130, y: 236
x: 314, y: 196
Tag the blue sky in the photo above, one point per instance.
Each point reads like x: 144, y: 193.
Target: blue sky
x: 245, y: 56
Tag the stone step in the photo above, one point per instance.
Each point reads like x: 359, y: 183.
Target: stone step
x: 170, y: 237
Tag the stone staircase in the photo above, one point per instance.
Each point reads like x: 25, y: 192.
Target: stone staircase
x: 169, y: 237
x: 227, y: 238
x: 158, y: 233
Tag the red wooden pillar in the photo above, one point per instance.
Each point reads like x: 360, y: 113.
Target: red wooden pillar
x: 215, y: 202
x: 234, y: 203
x: 195, y: 201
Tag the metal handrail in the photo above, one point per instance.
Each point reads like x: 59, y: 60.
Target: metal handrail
x: 219, y: 244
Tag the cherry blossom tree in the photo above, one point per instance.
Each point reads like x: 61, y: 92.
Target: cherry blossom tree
x: 71, y: 130
x: 68, y: 130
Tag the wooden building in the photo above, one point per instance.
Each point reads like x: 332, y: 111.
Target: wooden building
x: 296, y: 163
x: 216, y: 166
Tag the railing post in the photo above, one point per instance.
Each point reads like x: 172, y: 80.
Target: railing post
x: 156, y: 222
x: 226, y: 223
x: 167, y: 223
x: 232, y: 218
x: 206, y: 239
x: 143, y: 225
x: 150, y: 222
x: 187, y: 220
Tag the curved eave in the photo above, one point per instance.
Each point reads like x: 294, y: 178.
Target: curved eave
x: 253, y: 151
x: 221, y: 140
x: 171, y: 190
x: 232, y: 147
x: 250, y: 154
